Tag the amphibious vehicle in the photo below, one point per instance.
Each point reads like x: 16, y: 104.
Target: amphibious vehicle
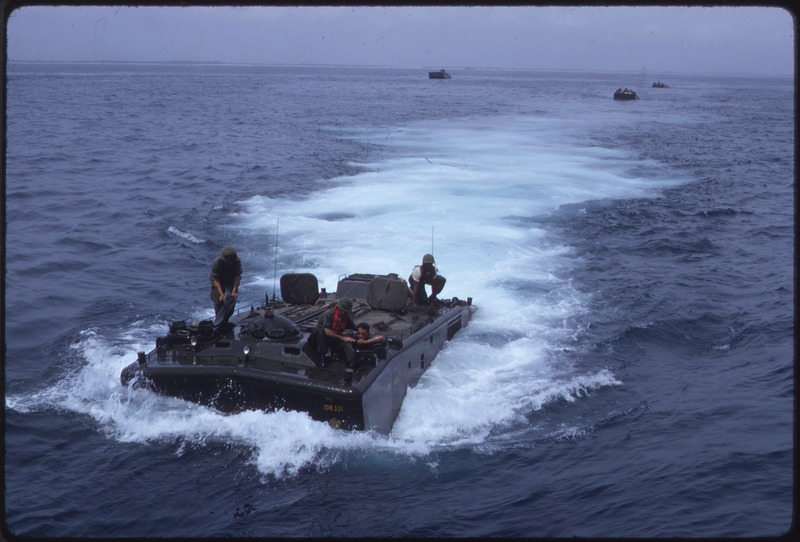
x: 264, y: 357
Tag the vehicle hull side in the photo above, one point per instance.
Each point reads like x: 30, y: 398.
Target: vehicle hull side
x: 235, y: 389
x: 384, y: 396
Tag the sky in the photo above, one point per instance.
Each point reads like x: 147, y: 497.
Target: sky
x: 670, y: 39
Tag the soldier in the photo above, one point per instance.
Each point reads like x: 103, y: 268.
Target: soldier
x: 226, y: 273
x: 422, y: 275
x: 335, y: 329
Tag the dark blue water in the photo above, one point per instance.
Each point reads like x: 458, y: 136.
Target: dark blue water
x: 629, y: 372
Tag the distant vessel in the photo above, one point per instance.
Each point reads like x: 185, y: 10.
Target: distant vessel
x: 625, y: 94
x: 659, y: 84
x: 441, y: 74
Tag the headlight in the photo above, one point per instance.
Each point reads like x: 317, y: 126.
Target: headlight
x: 246, y: 350
x: 193, y: 341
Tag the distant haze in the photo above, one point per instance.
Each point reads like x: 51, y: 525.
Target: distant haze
x: 746, y: 40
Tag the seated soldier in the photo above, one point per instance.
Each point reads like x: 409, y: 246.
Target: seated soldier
x: 368, y: 348
x: 334, y: 330
x: 363, y: 336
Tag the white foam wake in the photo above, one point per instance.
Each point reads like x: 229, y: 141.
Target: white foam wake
x: 465, y: 191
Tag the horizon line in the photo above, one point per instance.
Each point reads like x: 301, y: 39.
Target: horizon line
x: 375, y: 66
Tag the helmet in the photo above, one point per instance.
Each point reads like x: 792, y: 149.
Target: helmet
x: 428, y: 258
x: 227, y: 251
x: 346, y: 304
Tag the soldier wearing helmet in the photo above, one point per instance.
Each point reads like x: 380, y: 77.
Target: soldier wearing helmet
x: 335, y: 329
x: 422, y: 275
x: 226, y: 273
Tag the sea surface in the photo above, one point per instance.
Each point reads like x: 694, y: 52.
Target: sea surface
x: 629, y: 371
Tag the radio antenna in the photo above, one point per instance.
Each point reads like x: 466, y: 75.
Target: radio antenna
x: 431, y: 238
x: 275, y: 275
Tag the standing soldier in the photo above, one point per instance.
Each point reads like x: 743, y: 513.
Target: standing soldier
x: 226, y: 273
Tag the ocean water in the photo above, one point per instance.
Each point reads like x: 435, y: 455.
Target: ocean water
x: 629, y: 372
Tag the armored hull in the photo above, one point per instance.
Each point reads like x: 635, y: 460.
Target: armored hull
x: 262, y: 358
x: 625, y: 95
x: 441, y: 74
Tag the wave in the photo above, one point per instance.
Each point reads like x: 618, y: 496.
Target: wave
x: 185, y: 235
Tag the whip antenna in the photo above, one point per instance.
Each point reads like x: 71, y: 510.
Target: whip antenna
x: 275, y: 275
x: 431, y: 238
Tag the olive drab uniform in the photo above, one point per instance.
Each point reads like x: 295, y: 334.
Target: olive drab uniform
x: 338, y: 319
x: 226, y: 268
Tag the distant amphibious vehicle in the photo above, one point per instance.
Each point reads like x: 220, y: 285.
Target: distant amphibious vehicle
x: 441, y: 74
x: 265, y: 358
x: 625, y: 94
